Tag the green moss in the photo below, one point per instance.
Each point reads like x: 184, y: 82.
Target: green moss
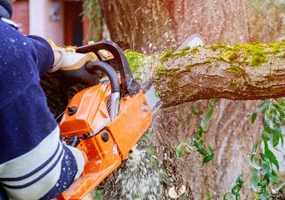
x: 159, y: 68
x: 217, y: 46
x: 173, y: 54
x: 187, y: 48
x: 229, y: 55
x: 236, y: 69
x: 252, y: 54
x: 198, y: 64
x: 195, y: 51
x: 276, y: 48
x: 166, y: 55
x: 135, y: 59
x: 257, y: 58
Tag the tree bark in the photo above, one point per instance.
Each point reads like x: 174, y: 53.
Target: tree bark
x: 150, y: 26
x: 237, y: 72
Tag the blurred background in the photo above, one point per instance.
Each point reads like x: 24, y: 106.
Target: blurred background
x: 59, y: 20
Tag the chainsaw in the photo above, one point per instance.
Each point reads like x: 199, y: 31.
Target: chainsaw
x: 105, y: 120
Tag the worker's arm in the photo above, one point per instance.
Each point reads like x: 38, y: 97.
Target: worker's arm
x: 34, y: 163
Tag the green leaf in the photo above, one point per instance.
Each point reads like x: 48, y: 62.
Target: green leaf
x: 282, y: 140
x: 226, y: 196
x: 274, y: 178
x: 199, y: 132
x: 194, y: 111
x: 277, y: 134
x: 265, y: 137
x: 263, y: 184
x: 235, y: 190
x: 265, y: 195
x: 264, y: 158
x: 239, y: 184
x: 259, y: 109
x: 253, y: 153
x: 268, y: 124
x: 270, y: 155
x: 200, y: 149
x: 254, y: 179
x: 210, y: 156
x: 208, y: 115
x: 280, y: 111
x: 264, y: 167
x: 179, y: 150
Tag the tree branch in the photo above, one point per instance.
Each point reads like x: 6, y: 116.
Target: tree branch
x: 238, y: 72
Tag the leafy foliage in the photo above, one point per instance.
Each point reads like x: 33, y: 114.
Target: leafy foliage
x: 93, y: 13
x: 197, y: 140
x: 264, y: 172
x: 262, y: 159
x: 236, y: 189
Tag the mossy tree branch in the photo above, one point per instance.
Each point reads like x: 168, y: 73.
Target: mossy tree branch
x: 238, y: 72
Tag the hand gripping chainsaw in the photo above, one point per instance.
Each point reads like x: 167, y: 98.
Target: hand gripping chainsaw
x: 105, y: 120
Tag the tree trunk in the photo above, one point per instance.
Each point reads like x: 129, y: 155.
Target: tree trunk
x: 230, y: 134
x: 150, y: 26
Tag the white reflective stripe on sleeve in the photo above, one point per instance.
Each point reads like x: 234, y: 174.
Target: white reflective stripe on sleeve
x: 41, y: 163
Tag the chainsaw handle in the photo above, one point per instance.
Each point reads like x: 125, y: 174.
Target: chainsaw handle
x: 119, y: 62
x: 92, y: 67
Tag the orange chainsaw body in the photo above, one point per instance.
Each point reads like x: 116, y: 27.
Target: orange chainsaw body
x: 106, y: 142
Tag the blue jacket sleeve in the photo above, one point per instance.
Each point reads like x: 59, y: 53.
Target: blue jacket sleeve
x: 43, y: 55
x: 34, y: 163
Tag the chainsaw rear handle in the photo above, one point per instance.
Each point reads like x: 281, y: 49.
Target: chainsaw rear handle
x: 92, y: 67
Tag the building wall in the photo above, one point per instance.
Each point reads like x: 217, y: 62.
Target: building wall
x: 21, y: 15
x: 47, y: 19
x: 59, y: 20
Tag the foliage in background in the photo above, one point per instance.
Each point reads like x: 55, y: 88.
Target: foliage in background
x: 92, y: 12
x: 262, y: 158
x: 197, y: 140
x: 264, y: 171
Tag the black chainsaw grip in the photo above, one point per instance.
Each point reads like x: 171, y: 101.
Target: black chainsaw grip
x: 92, y: 67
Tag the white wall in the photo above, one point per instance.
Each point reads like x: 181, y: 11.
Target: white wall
x: 41, y: 23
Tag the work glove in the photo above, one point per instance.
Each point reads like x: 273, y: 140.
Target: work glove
x: 71, y: 67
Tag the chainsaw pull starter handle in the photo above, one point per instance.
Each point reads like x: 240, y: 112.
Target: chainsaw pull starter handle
x: 92, y: 67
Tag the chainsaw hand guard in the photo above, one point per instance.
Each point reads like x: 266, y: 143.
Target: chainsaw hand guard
x: 118, y: 62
